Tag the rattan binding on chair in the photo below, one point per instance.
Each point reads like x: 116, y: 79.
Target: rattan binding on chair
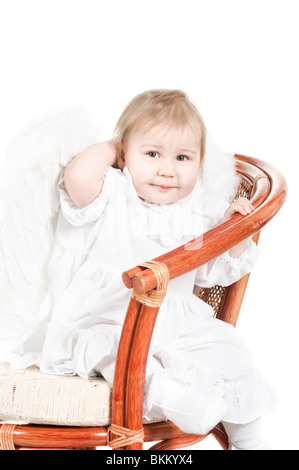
x: 126, y: 436
x: 6, y: 437
x: 154, y: 297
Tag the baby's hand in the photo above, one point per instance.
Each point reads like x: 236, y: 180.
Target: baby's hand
x: 241, y: 205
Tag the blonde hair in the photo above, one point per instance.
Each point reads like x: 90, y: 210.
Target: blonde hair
x: 159, y: 107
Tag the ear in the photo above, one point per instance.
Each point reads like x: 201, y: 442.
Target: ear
x: 120, y: 152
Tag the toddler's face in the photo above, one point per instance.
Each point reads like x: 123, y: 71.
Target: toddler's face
x: 163, y: 163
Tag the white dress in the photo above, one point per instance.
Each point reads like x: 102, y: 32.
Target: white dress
x: 199, y: 371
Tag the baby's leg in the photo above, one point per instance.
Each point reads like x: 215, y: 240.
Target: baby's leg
x: 245, y: 436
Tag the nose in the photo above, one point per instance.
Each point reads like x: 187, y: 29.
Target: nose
x: 166, y: 169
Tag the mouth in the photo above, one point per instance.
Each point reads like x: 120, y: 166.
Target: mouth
x: 164, y: 187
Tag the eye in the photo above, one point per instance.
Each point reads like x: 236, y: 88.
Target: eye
x: 182, y: 158
x: 153, y: 154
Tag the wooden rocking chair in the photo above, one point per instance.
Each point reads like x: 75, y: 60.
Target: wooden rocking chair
x: 123, y: 426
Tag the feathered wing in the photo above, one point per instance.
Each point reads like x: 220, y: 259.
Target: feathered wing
x: 219, y: 177
x: 29, y: 206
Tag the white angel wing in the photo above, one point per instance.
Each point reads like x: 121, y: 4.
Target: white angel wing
x: 29, y: 206
x: 219, y: 177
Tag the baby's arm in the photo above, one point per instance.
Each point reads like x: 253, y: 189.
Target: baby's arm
x: 83, y: 176
x: 243, y: 206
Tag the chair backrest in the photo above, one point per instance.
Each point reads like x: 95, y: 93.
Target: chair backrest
x: 267, y: 188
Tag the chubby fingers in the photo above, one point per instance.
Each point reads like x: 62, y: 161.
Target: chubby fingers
x: 243, y: 206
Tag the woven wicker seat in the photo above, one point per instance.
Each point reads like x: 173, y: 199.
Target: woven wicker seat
x: 88, y: 413
x: 32, y: 397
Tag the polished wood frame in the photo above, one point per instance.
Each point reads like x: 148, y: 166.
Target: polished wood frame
x: 269, y: 190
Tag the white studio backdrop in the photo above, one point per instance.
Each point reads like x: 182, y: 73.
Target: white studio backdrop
x: 238, y: 61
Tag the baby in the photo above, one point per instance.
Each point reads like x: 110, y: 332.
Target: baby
x: 131, y: 200
x: 159, y: 146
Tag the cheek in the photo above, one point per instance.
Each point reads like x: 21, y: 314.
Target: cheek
x: 189, y: 181
x: 139, y: 170
x: 138, y: 186
x: 137, y: 176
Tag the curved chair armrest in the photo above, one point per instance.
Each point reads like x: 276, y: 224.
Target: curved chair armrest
x: 270, y: 190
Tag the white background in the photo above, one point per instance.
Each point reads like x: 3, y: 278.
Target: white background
x: 238, y: 61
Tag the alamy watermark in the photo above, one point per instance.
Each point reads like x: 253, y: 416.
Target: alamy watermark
x: 172, y: 224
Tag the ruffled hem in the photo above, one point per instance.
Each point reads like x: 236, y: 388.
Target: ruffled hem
x: 194, y: 412
x: 94, y: 355
x: 249, y: 399
x: 198, y: 406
